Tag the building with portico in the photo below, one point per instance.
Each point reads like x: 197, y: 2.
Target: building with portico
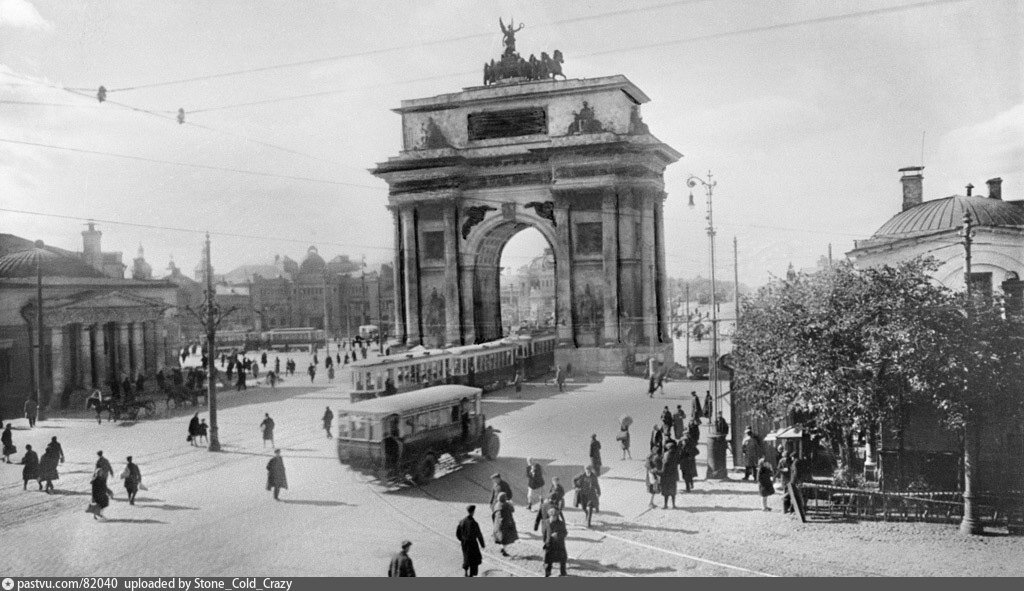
x: 95, y: 327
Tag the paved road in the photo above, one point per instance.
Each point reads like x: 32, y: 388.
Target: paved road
x: 208, y: 514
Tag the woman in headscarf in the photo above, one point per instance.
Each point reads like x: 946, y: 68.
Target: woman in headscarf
x: 504, y: 525
x: 99, y: 492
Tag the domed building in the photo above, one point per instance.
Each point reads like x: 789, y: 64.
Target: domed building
x: 933, y: 228
x: 921, y: 447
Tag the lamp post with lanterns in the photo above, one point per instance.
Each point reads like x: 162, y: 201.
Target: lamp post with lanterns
x: 716, y: 441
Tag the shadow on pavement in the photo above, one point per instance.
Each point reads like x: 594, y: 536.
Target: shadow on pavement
x: 723, y: 491
x: 718, y: 509
x: 169, y: 507
x: 312, y: 503
x: 125, y: 520
x: 70, y: 493
x: 635, y: 527
x: 595, y: 566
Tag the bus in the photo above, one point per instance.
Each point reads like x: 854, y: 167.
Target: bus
x: 399, y: 438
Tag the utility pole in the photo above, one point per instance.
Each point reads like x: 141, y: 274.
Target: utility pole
x: 327, y: 316
x: 971, y: 522
x: 686, y: 290
x: 736, y: 281
x: 211, y: 338
x: 380, y: 312
x: 716, y: 441
x: 37, y: 369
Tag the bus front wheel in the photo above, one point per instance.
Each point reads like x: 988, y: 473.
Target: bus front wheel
x: 425, y: 469
x: 491, y: 445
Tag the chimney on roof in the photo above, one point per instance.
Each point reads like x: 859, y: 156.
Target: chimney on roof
x: 911, y: 179
x: 91, y: 250
x: 970, y: 189
x: 995, y: 188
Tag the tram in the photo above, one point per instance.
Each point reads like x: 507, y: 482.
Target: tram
x: 402, y: 437
x: 398, y: 373
x: 293, y: 338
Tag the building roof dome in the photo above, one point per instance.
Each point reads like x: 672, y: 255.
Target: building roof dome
x: 313, y: 263
x: 948, y: 214
x: 52, y: 263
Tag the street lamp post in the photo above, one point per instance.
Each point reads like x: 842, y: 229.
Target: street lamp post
x: 211, y: 311
x: 971, y: 522
x: 716, y: 441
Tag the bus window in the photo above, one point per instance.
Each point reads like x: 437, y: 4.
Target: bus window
x: 343, y: 427
x: 409, y: 426
x: 360, y: 428
x: 423, y: 421
x: 455, y: 414
x: 435, y: 418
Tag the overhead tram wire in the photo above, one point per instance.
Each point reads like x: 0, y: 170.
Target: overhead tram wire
x: 166, y: 115
x: 186, y: 164
x: 683, y: 41
x: 382, y: 50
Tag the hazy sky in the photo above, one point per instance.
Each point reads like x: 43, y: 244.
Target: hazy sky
x: 804, y: 127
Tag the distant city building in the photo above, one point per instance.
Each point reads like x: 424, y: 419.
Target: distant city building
x: 98, y: 326
x: 528, y: 294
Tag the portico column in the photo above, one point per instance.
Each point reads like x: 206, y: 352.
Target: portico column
x: 85, y: 356
x: 412, y: 278
x: 100, y: 353
x: 124, y: 367
x: 610, y: 235
x: 398, y: 319
x: 563, y: 275
x: 466, y: 276
x: 139, y: 351
x: 451, y: 277
x: 57, y: 359
x: 161, y: 350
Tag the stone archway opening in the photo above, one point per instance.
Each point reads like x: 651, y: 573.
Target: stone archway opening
x: 507, y: 247
x: 527, y: 282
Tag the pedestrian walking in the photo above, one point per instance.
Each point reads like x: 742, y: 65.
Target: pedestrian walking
x: 518, y: 381
x: 52, y: 456
x: 588, y: 492
x: 100, y: 496
x: 504, y: 524
x: 255, y: 370
x: 263, y: 358
x: 272, y: 378
x: 267, y: 426
x: 204, y: 429
x: 667, y: 420
x: 276, y: 478
x: 31, y: 467
x: 312, y: 372
x: 193, y: 429
x: 337, y: 358
x: 623, y: 439
x: 240, y: 381
x: 751, y: 446
x: 695, y: 411
x: 95, y: 400
x: 595, y: 453
x: 472, y: 541
x: 401, y: 564
x: 557, y: 491
x: 7, y: 440
x: 555, y: 533
x: 31, y: 412
x: 678, y: 422
x: 787, y: 477
x: 764, y: 482
x: 328, y: 418
x: 277, y: 365
x: 132, y: 477
x: 652, y: 385
x: 688, y: 461
x: 693, y: 430
x: 330, y: 373
x: 499, y: 487
x: 552, y: 501
x: 707, y: 405
x: 657, y: 438
x: 654, y: 469
x: 103, y: 463
x: 534, y: 483
x: 669, y: 474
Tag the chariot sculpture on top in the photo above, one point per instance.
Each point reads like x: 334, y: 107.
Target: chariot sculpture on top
x: 513, y: 67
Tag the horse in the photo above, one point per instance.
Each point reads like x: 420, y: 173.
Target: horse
x: 555, y: 67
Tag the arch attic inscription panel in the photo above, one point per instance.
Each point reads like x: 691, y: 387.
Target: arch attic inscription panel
x: 571, y: 158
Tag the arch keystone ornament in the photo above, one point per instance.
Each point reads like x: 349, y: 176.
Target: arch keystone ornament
x: 520, y: 154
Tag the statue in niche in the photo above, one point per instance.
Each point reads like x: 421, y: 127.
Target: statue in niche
x: 544, y: 209
x: 433, y: 136
x: 434, y: 317
x: 584, y: 121
x: 636, y: 124
x: 509, y: 36
x: 475, y: 215
x: 508, y: 211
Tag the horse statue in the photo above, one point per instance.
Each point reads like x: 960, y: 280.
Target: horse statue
x: 555, y: 65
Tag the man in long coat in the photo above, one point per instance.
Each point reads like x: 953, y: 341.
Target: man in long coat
x: 31, y: 469
x: 328, y: 418
x: 670, y: 474
x: 695, y: 410
x: 751, y: 447
x: 678, y: 422
x: 193, y: 429
x: 554, y: 543
x: 268, y: 429
x: 595, y: 453
x: 401, y: 564
x: 276, y: 478
x: 472, y: 540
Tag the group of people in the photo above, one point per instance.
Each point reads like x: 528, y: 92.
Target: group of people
x: 101, y: 493
x: 198, y: 430
x: 757, y: 465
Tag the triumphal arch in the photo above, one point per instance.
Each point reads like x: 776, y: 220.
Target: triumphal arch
x: 569, y: 157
